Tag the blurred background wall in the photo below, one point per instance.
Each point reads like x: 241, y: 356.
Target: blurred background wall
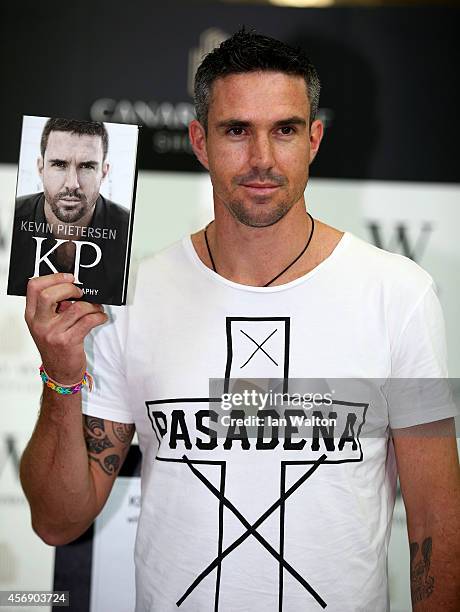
x: 387, y: 171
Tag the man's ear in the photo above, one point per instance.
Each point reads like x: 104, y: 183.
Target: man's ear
x: 105, y: 169
x: 40, y: 166
x: 316, y: 136
x: 197, y: 137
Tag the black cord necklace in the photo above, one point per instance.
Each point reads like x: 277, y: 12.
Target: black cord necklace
x: 282, y: 271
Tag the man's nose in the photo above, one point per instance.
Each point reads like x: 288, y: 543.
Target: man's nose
x: 71, y: 178
x: 261, y: 152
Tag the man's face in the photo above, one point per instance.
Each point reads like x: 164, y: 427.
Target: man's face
x: 72, y: 171
x: 259, y: 144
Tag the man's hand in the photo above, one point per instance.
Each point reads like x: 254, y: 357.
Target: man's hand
x: 59, y: 326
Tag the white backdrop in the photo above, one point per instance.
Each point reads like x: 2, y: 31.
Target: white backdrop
x: 169, y: 205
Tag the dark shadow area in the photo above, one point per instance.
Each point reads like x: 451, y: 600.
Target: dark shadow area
x: 388, y: 74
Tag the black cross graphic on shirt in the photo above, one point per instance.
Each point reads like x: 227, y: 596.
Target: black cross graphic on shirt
x: 224, y: 502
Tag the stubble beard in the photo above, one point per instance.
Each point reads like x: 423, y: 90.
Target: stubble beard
x: 265, y: 214
x: 73, y: 215
x: 263, y: 218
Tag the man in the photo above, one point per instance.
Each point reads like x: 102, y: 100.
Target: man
x: 232, y: 518
x: 72, y: 165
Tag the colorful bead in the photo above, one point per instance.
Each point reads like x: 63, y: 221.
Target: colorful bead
x: 87, y: 380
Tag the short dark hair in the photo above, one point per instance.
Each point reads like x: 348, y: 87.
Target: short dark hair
x: 75, y: 126
x: 247, y: 51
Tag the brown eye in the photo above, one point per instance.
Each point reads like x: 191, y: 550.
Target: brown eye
x: 236, y: 131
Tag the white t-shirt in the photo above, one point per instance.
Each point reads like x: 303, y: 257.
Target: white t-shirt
x: 248, y: 524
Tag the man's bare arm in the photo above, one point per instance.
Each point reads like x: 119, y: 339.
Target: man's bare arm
x: 69, y: 467
x: 427, y: 459
x: 70, y: 463
x: 107, y: 444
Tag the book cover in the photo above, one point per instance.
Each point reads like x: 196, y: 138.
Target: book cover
x: 74, y: 208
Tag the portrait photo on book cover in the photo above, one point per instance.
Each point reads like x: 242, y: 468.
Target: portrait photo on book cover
x: 74, y: 205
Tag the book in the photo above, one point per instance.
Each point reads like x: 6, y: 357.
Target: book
x: 74, y: 207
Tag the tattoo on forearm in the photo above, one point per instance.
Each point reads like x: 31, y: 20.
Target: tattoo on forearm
x: 97, y: 445
x: 122, y: 431
x: 100, y: 447
x: 110, y: 464
x: 422, y: 585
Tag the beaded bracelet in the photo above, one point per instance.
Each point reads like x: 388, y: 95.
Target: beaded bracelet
x: 66, y: 389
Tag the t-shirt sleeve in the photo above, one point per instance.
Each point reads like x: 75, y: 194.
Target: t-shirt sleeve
x: 418, y: 390
x: 105, y: 354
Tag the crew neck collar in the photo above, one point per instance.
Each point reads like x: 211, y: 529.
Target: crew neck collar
x: 215, y: 277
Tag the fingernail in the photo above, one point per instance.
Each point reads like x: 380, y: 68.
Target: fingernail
x: 68, y: 276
